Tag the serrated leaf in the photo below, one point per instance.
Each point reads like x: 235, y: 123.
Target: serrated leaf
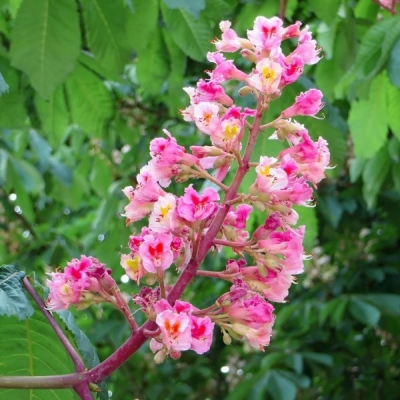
x: 105, y: 22
x: 142, y: 23
x: 45, y: 42
x: 31, y: 348
x: 364, y: 312
x: 192, y: 7
x: 89, y: 100
x: 374, y: 175
x: 191, y: 35
x: 152, y: 67
x: 13, y: 300
x: 54, y: 116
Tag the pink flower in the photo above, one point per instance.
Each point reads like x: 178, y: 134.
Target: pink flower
x: 270, y: 178
x: 206, y: 117
x: 64, y: 291
x: 266, y: 77
x: 291, y: 31
x: 257, y: 338
x: 252, y: 311
x: 230, y: 41
x: 225, y: 69
x: 132, y: 264
x: 175, y: 329
x: 194, y: 207
x: 288, y: 244
x: 211, y: 91
x: 312, y: 158
x: 142, y: 197
x: 292, y: 68
x: 307, y: 103
x: 160, y: 218
x: 266, y: 34
x: 156, y: 253
x: 201, y: 330
x: 307, y: 48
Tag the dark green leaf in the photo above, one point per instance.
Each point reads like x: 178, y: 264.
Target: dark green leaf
x: 31, y: 180
x: 13, y: 300
x: 363, y: 311
x: 281, y: 388
x: 319, y: 358
x: 393, y: 65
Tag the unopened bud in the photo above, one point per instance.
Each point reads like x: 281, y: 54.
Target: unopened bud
x: 245, y: 90
x: 226, y: 338
x: 262, y: 269
x: 160, y: 356
x: 249, y: 55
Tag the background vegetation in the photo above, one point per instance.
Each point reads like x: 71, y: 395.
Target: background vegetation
x: 91, y: 82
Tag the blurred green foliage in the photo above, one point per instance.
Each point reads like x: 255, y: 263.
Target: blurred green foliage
x: 88, y: 83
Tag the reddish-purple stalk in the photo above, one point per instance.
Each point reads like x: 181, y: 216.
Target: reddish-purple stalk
x: 138, y: 338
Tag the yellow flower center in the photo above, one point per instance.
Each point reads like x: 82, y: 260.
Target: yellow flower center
x: 230, y: 131
x: 268, y: 74
x: 265, y: 170
x: 133, y: 263
x: 164, y: 210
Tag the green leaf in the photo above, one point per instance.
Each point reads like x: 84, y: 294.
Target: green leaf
x: 319, y: 358
x: 372, y: 53
x: 389, y: 303
x: 357, y: 166
x: 307, y: 217
x: 61, y: 171
x: 280, y: 387
x: 325, y: 10
x: 3, y: 85
x: 176, y: 96
x: 105, y: 23
x: 101, y: 176
x: 142, y: 23
x: 396, y: 176
x: 152, y: 67
x: 368, y: 129
x: 40, y: 146
x: 393, y: 65
x: 31, y: 180
x: 3, y: 167
x: 13, y: 301
x: 374, y: 175
x: 393, y: 101
x: 364, y: 312
x: 54, y: 116
x: 394, y: 149
x: 191, y: 35
x: 45, y: 42
x: 192, y: 7
x: 13, y: 114
x: 89, y: 100
x: 31, y: 348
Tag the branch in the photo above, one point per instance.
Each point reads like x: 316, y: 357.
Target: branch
x: 79, y: 365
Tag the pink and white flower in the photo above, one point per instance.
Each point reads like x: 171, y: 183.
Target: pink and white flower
x: 155, y: 252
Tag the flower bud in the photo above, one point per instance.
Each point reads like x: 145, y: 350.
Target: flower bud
x: 226, y: 338
x: 160, y: 356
